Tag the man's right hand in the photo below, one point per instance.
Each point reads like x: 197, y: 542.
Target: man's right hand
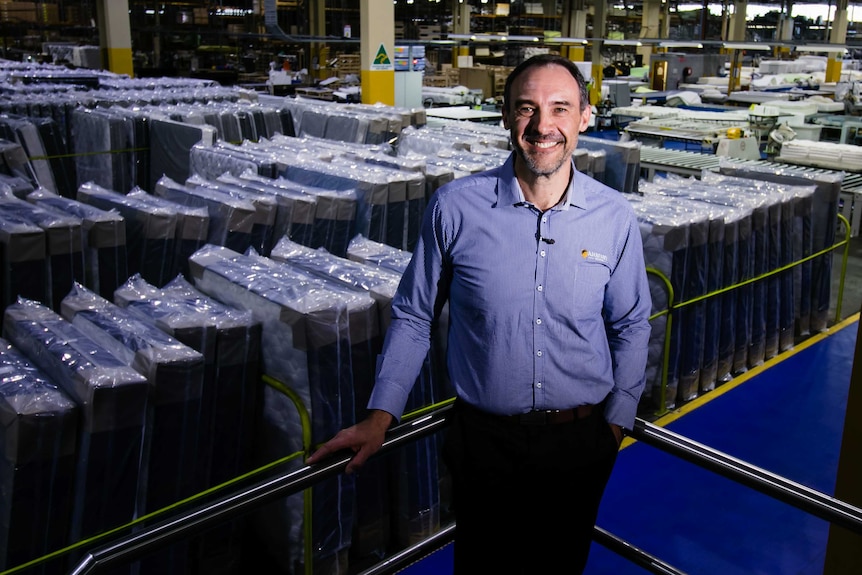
x: 364, y: 439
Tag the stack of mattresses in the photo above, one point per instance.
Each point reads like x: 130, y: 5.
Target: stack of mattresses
x: 665, y: 236
x: 43, y: 140
x: 372, y: 520
x: 408, y: 189
x: 170, y: 455
x: 14, y: 162
x: 170, y: 145
x: 368, y: 192
x: 282, y: 107
x: 24, y: 132
x: 721, y: 331
x: 39, y: 425
x: 407, y: 199
x: 337, y: 201
x: 622, y: 161
x: 421, y: 479
x: 64, y: 240
x: 368, y: 201
x: 295, y: 212
x: 150, y: 231
x: 416, y: 510
x: 105, y: 147
x: 790, y: 241
x: 112, y: 398
x: 265, y: 208
x: 229, y: 340
x: 447, y: 135
x: 56, y: 153
x: 700, y: 323
x: 104, y: 240
x: 191, y: 232
x: 313, y: 335
x: 22, y: 261
x: 364, y: 250
x: 752, y: 302
x: 777, y: 213
x: 689, y: 281
x: 823, y: 228
x: 468, y: 160
x: 213, y: 161
x: 231, y: 220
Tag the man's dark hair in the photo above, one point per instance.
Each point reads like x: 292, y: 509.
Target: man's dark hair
x: 546, y: 60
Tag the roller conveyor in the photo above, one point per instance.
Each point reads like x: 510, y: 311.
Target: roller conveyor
x: 676, y: 161
x: 705, y: 133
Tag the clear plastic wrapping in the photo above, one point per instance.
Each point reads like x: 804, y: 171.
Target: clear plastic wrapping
x: 150, y: 230
x: 104, y: 240
x: 315, y: 340
x: 113, y: 399
x: 39, y: 424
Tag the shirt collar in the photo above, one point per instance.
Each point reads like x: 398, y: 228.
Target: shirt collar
x: 510, y: 193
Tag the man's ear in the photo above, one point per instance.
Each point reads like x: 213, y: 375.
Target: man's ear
x: 586, y: 113
x: 505, y: 117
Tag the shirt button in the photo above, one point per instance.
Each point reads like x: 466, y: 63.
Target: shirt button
x: 538, y: 384
x: 544, y: 219
x: 542, y: 253
x: 539, y: 321
x: 539, y: 353
x: 539, y: 288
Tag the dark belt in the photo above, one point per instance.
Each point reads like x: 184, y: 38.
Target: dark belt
x: 552, y: 416
x: 536, y: 417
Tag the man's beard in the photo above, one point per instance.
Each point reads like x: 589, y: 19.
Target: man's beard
x: 535, y: 168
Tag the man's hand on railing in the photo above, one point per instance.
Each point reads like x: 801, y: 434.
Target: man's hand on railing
x: 364, y: 439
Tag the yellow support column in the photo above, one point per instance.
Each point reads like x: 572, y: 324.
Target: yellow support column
x: 837, y: 35
x: 653, y: 15
x: 736, y: 34
x: 599, y: 30
x: 115, y: 36
x: 377, y: 49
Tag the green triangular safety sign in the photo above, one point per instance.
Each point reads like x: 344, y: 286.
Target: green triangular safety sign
x: 382, y: 58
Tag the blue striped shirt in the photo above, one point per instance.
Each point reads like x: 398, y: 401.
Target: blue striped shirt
x: 546, y: 310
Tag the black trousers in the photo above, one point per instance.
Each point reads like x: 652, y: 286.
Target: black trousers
x: 526, y: 497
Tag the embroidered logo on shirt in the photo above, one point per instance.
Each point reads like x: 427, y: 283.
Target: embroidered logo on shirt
x: 594, y: 256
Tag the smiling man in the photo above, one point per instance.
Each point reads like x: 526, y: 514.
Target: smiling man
x: 549, y: 307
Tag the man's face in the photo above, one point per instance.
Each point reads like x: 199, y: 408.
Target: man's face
x: 544, y: 118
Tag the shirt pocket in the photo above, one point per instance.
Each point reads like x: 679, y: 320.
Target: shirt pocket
x: 588, y: 293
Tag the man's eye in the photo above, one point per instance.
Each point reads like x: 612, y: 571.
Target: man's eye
x: 526, y: 111
x: 561, y: 111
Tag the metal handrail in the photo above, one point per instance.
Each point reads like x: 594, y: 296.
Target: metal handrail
x: 809, y: 500
x: 149, y: 539
x: 152, y: 538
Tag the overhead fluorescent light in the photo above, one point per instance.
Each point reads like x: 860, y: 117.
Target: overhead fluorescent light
x: 679, y: 44
x: 610, y: 42
x: 745, y: 46
x: 821, y: 48
x: 492, y: 38
x: 564, y: 40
